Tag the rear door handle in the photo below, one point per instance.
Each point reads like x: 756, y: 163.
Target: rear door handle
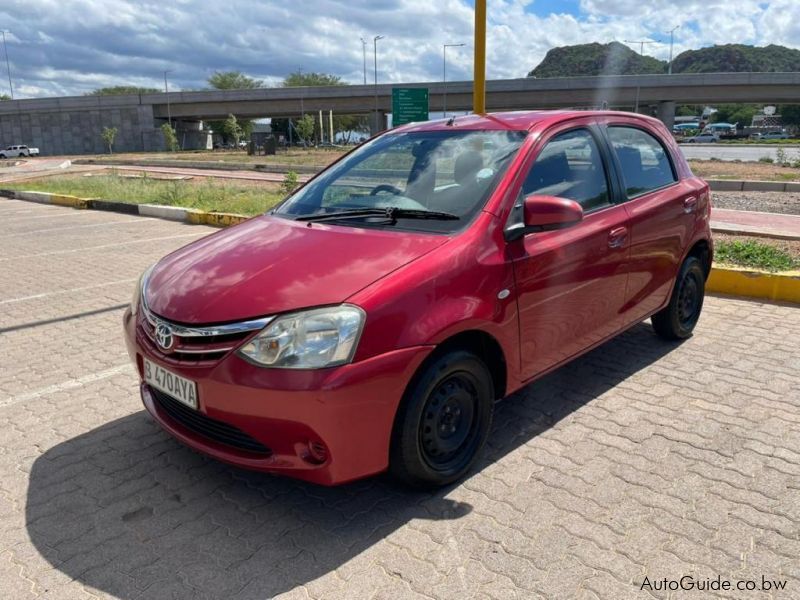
x: 689, y: 204
x: 617, y: 237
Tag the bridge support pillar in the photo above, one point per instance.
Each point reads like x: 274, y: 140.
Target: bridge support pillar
x: 666, y: 113
x: 377, y: 122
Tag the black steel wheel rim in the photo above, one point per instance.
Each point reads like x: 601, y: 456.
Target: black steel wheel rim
x: 449, y: 426
x: 688, y: 299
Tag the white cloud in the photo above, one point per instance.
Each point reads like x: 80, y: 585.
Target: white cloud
x: 73, y: 46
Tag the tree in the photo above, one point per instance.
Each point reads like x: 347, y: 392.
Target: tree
x: 305, y: 127
x: 108, y: 135
x: 233, y: 80
x: 736, y: 113
x: 300, y: 79
x: 170, y: 137
x: 4, y: 97
x: 790, y: 115
x: 341, y: 123
x: 118, y: 90
x: 232, y: 129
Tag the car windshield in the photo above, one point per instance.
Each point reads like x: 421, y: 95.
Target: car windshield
x: 451, y: 172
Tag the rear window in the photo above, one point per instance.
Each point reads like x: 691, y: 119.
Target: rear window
x: 643, y: 160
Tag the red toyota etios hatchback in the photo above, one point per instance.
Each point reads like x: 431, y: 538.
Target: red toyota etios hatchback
x: 372, y: 319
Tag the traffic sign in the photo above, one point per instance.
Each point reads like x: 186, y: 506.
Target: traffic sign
x: 409, y: 105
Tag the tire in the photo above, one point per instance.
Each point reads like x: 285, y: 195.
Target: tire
x: 678, y: 319
x: 443, y: 421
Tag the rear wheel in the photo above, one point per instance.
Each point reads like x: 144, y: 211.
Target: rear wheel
x: 443, y: 421
x: 678, y: 319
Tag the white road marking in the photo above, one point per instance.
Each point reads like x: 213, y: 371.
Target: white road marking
x: 70, y: 384
x: 132, y: 221
x: 54, y: 252
x: 80, y: 289
x: 56, y: 214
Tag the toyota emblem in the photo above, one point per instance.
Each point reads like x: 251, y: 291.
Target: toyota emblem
x: 164, y: 337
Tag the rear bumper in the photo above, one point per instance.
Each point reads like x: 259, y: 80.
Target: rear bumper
x: 326, y: 426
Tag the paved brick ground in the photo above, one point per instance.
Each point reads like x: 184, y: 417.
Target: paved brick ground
x: 642, y: 459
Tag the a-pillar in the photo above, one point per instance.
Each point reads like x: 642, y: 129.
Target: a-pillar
x: 666, y: 113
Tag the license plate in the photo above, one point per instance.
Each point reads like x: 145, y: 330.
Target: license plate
x: 180, y: 388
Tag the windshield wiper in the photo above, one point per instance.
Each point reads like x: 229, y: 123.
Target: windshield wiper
x: 391, y: 213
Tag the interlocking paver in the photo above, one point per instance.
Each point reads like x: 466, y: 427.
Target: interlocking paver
x: 641, y: 459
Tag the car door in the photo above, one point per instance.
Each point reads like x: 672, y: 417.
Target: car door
x: 570, y: 282
x: 661, y: 209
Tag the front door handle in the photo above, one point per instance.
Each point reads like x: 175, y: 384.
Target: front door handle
x: 689, y: 204
x: 617, y: 237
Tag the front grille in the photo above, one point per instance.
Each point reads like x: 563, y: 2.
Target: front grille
x: 197, y: 349
x: 205, y: 426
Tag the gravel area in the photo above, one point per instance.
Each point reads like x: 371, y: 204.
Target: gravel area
x: 787, y: 203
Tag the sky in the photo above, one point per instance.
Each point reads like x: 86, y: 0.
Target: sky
x: 70, y: 47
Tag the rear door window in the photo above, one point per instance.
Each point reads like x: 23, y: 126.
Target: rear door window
x: 643, y: 160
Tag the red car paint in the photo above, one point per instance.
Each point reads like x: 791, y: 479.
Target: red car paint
x: 568, y: 290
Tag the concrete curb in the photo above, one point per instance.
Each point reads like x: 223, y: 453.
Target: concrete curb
x: 742, y: 185
x: 784, y: 287
x: 748, y: 230
x: 171, y: 213
x: 724, y: 280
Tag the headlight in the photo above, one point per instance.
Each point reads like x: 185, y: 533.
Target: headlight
x: 139, y: 290
x: 312, y: 339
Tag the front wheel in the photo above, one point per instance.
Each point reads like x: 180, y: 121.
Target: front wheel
x: 677, y: 320
x: 443, y: 421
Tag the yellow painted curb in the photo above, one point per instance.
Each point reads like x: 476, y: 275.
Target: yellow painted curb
x: 70, y: 201
x: 222, y: 219
x: 755, y: 284
x: 215, y: 219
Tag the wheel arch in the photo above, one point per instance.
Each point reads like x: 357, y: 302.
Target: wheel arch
x: 484, y: 345
x: 702, y: 250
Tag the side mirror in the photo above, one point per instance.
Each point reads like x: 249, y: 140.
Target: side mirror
x: 545, y: 213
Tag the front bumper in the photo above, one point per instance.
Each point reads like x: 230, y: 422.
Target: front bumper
x: 327, y: 426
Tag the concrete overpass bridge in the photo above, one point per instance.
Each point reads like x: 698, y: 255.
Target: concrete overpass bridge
x: 73, y: 124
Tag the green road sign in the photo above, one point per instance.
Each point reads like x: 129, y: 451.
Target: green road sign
x: 409, y: 105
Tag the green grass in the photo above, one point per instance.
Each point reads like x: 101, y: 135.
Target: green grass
x: 754, y: 254
x: 210, y: 194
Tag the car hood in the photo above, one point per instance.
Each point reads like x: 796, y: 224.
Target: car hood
x: 269, y: 265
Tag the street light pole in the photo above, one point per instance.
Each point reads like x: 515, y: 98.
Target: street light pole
x: 641, y: 44
x: 444, y: 75
x: 375, y: 56
x: 364, y: 48
x: 166, y: 93
x: 8, y: 64
x: 671, y: 41
x: 641, y: 53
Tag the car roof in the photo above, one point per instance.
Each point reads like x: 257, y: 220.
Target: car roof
x: 513, y: 120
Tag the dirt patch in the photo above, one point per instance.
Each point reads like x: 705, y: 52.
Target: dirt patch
x: 717, y: 169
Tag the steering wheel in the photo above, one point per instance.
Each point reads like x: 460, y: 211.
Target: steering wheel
x: 385, y: 187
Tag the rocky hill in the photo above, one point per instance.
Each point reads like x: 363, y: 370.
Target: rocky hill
x: 618, y: 59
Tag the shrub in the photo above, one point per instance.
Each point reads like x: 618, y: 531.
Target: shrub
x: 289, y: 183
x: 751, y: 253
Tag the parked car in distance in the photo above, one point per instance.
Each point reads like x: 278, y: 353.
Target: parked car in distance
x: 702, y: 138
x: 372, y: 319
x: 17, y: 151
x: 773, y: 135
